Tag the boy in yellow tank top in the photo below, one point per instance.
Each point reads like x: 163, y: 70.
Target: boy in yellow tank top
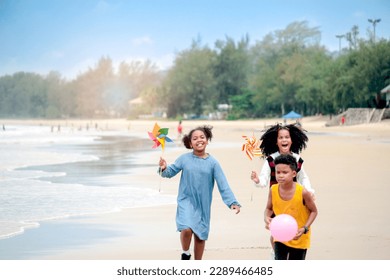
x: 289, y: 197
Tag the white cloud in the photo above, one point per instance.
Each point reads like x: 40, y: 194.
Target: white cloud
x: 140, y: 41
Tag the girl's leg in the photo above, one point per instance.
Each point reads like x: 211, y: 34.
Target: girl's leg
x: 199, y: 248
x: 185, y: 239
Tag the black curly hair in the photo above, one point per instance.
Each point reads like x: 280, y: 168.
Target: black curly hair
x: 288, y: 160
x: 298, y: 136
x: 207, y: 130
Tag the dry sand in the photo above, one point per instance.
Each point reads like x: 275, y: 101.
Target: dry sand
x: 348, y: 167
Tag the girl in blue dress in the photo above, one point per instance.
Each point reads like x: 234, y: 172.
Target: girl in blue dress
x: 199, y: 172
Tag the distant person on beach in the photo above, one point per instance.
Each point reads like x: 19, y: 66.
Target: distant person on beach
x: 179, y: 130
x: 282, y: 139
x: 199, y: 172
x: 289, y: 197
x: 342, y: 120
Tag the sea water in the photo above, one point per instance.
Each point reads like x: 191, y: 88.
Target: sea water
x: 47, y: 173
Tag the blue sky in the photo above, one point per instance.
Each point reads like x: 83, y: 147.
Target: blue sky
x: 69, y: 36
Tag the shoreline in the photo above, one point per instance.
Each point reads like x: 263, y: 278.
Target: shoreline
x: 333, y: 159
x: 110, y: 151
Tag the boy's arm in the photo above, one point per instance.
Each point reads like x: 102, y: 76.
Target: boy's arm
x: 268, y: 210
x: 311, y: 206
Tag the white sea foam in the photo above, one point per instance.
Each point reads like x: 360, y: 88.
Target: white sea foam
x: 26, y: 199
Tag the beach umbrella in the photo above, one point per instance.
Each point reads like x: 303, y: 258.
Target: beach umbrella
x: 386, y: 89
x: 292, y: 115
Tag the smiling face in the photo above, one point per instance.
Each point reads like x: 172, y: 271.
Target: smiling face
x: 284, y: 141
x: 199, y: 142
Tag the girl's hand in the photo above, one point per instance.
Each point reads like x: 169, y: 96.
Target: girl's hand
x: 235, y: 207
x: 254, y: 177
x: 162, y: 163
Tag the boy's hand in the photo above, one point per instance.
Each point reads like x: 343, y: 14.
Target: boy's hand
x: 267, y: 221
x: 299, y: 233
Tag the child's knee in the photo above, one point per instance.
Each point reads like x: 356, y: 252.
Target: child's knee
x: 187, y: 232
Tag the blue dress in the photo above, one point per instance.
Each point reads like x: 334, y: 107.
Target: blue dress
x: 195, y: 191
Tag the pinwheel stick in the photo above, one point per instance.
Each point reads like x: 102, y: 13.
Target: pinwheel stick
x: 160, y: 172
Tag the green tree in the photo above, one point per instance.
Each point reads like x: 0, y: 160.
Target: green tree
x: 242, y: 106
x: 59, y: 103
x: 358, y: 76
x: 279, y: 67
x: 136, y: 79
x: 313, y: 96
x: 190, y: 85
x: 231, y: 68
x: 372, y: 70
x: 92, y: 90
x: 23, y: 95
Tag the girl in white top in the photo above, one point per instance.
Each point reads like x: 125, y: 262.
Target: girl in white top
x: 282, y: 139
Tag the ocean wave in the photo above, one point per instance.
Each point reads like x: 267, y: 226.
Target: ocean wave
x: 31, y: 192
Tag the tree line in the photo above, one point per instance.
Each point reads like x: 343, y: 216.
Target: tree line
x: 287, y: 70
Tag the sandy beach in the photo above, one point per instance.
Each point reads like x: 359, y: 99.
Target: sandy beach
x: 348, y: 168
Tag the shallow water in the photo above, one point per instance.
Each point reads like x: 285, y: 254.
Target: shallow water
x: 47, y: 175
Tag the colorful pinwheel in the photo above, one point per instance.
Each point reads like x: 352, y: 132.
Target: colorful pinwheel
x: 251, y: 147
x: 159, y: 136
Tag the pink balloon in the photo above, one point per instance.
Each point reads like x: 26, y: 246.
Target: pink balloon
x: 283, y: 227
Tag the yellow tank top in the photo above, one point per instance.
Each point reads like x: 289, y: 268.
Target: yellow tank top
x: 295, y: 208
